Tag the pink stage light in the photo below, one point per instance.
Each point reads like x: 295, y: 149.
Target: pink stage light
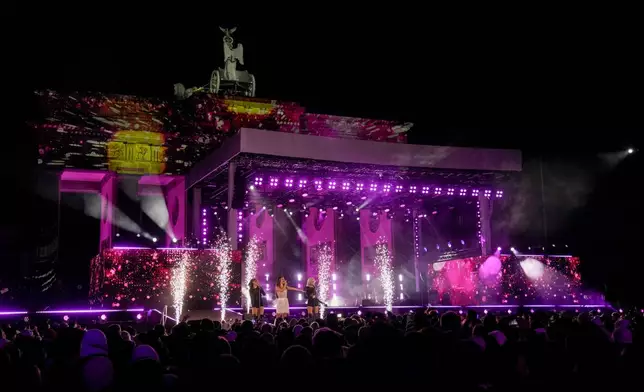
x: 258, y: 181
x: 450, y: 191
x: 399, y: 188
x: 103, y: 317
x: 462, y: 192
x: 331, y: 184
x: 12, y: 313
x: 87, y: 311
x: 359, y: 187
x: 273, y: 182
x: 475, y: 192
x: 424, y: 190
x: 373, y: 187
x: 65, y: 318
x: 345, y: 186
x: 437, y: 191
x: 288, y: 182
x: 139, y: 316
x: 499, y: 194
x: 386, y: 188
x: 302, y: 183
x: 412, y: 189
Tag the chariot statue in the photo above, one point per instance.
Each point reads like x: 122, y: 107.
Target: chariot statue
x: 228, y: 80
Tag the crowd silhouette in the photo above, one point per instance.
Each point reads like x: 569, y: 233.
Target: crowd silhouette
x: 526, y: 351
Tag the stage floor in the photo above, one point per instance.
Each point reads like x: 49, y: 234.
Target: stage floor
x: 297, y: 311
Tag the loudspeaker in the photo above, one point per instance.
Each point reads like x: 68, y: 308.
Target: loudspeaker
x: 239, y: 191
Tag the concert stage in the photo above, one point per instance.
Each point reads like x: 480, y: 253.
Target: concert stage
x: 196, y: 196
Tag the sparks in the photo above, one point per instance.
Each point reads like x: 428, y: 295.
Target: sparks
x: 383, y: 262
x: 178, y: 284
x: 325, y: 258
x: 250, y: 267
x: 224, y: 268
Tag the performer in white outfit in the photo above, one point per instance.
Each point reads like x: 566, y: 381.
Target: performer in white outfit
x: 281, y: 289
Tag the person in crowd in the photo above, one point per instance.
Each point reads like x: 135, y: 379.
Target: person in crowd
x: 537, y: 351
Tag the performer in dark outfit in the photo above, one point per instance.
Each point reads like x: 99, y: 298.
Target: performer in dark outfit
x: 256, y: 298
x: 312, y: 301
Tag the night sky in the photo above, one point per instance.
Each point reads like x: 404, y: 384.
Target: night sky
x: 561, y: 88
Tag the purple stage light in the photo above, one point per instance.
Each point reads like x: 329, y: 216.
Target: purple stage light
x: 331, y: 184
x: 349, y: 203
x: 258, y: 181
x: 386, y: 188
x: 487, y: 193
x: 399, y: 188
x: 424, y: 190
x: 412, y: 189
x: 475, y: 192
x: 12, y: 313
x: 318, y: 184
x: 288, y: 182
x: 499, y: 194
x: 373, y: 187
x: 88, y: 311
x: 103, y: 317
x: 302, y: 183
x: 359, y: 187
x: 273, y: 182
x: 450, y: 191
x: 291, y: 200
x: 438, y: 191
x: 462, y: 192
x: 139, y: 316
x: 345, y: 186
x: 65, y: 318
x: 305, y: 194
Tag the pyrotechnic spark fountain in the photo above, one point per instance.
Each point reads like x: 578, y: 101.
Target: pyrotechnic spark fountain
x: 250, y: 267
x: 325, y: 257
x: 383, y: 262
x: 178, y: 284
x: 223, y: 251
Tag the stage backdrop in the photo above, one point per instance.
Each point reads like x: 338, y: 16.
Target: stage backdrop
x: 521, y: 280
x: 261, y: 226
x: 108, y: 200
x: 175, y: 200
x: 373, y: 228
x: 319, y: 229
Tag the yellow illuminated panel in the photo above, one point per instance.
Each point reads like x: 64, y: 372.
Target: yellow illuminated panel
x: 136, y: 152
x: 247, y: 107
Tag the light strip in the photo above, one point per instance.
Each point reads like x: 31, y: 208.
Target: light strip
x: 13, y: 313
x: 142, y: 248
x: 80, y: 311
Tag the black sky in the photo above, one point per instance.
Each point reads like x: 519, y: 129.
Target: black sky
x: 463, y: 78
